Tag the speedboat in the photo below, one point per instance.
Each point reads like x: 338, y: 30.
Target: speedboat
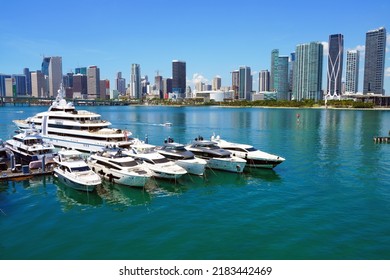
x: 64, y: 126
x: 74, y: 172
x: 216, y: 157
x: 117, y: 167
x: 254, y: 157
x: 160, y: 165
x: 182, y: 157
x: 30, y: 148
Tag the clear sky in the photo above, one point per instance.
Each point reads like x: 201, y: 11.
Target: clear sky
x: 214, y: 37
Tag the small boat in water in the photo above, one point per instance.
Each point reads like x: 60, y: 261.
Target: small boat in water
x: 73, y: 171
x: 216, y: 157
x: 254, y: 157
x: 182, y: 157
x: 117, y: 167
x: 160, y: 165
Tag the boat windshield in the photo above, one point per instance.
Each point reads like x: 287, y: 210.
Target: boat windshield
x: 160, y: 160
x: 80, y: 169
x: 251, y: 149
x: 129, y: 163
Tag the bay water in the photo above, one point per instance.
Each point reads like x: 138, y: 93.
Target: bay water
x: 330, y: 199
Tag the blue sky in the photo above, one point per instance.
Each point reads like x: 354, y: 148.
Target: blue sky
x: 214, y: 37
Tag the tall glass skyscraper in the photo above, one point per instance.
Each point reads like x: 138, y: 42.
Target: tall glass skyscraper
x: 308, y: 71
x: 135, y: 81
x: 374, y: 62
x: 335, y: 64
x: 274, y: 76
x: 352, y: 73
x: 245, y: 86
x: 179, y: 78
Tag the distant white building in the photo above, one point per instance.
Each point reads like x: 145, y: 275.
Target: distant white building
x: 216, y: 95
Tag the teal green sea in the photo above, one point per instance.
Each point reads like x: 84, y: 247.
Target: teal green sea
x: 330, y: 199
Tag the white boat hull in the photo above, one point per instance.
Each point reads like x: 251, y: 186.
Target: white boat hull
x: 76, y: 183
x: 194, y: 166
x: 233, y: 164
x: 124, y: 178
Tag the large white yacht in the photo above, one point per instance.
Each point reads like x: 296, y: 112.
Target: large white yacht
x: 117, y: 167
x: 182, y: 157
x: 216, y: 157
x: 30, y: 148
x: 74, y: 172
x: 64, y: 126
x: 160, y: 165
x: 254, y: 157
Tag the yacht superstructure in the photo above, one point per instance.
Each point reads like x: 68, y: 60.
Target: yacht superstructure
x: 64, y: 126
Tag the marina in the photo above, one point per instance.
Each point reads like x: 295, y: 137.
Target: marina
x: 327, y: 200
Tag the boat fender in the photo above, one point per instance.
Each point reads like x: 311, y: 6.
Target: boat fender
x: 238, y: 168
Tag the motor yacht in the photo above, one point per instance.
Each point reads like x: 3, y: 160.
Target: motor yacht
x: 160, y: 165
x: 64, y: 126
x: 182, y: 157
x: 29, y: 148
x: 115, y: 166
x: 216, y: 157
x: 254, y: 157
x: 74, y: 172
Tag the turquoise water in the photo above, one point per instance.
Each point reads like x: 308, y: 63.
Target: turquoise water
x: 330, y: 199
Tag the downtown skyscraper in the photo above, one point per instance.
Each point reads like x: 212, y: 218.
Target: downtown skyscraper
x: 352, y: 72
x: 52, y: 69
x: 93, y: 82
x: 307, y: 82
x: 335, y: 64
x: 245, y: 84
x: 179, y: 78
x: 135, y: 81
x: 374, y: 62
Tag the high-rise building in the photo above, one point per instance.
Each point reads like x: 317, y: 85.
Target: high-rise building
x: 80, y: 86
x: 2, y: 83
x: 291, y: 62
x: 274, y: 78
x: 104, y: 89
x: 93, y: 82
x: 68, y: 80
x: 19, y: 85
x: 158, y: 83
x: 38, y: 84
x: 282, y: 74
x: 235, y: 83
x: 27, y: 73
x: 135, y: 81
x: 352, y: 73
x: 264, y: 80
x: 374, y: 62
x: 217, y: 81
x: 52, y: 69
x: 335, y: 64
x: 120, y: 83
x: 167, y: 87
x: 179, y: 77
x: 245, y: 87
x: 308, y: 71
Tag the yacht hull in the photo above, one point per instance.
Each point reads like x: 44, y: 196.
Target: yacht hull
x: 195, y: 166
x: 77, y: 185
x: 235, y: 165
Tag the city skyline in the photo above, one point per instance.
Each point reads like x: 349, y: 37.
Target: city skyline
x: 232, y: 36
